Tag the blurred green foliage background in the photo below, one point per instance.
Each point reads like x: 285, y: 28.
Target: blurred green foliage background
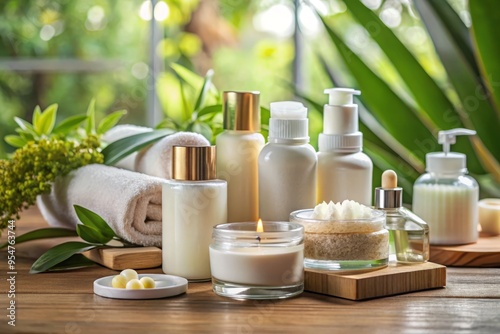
x: 67, y: 52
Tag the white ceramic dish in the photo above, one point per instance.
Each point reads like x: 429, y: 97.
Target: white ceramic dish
x: 166, y: 286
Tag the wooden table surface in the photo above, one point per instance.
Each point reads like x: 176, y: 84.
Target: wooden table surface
x: 64, y: 302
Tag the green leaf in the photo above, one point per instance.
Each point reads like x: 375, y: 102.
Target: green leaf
x: 109, y: 121
x: 90, y: 125
x: 456, y: 29
x: 207, y: 82
x: 210, y: 110
x: 37, y: 112
x: 168, y: 123
x: 203, y: 129
x: 189, y: 77
x: 43, y: 233
x: 91, y: 234
x: 26, y: 127
x: 389, y: 110
x: 58, y: 254
x: 485, y: 15
x: 119, y: 149
x: 427, y: 94
x: 45, y: 122
x: 93, y: 220
x: 15, y: 141
x: 76, y: 261
x: 478, y: 112
x: 69, y: 124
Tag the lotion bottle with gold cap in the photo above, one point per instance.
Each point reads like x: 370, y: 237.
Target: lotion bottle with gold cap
x: 193, y: 202
x: 409, y: 234
x: 238, y: 149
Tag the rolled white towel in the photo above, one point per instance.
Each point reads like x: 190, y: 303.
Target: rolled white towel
x: 122, y: 131
x: 129, y: 202
x: 156, y: 160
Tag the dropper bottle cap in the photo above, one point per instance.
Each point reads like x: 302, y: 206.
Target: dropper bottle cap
x: 389, y: 196
x: 446, y: 162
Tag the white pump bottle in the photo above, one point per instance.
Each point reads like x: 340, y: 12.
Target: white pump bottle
x: 344, y: 171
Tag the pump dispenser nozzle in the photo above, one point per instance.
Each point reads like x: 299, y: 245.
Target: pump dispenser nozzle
x: 446, y: 162
x: 340, y: 122
x: 341, y: 96
x: 448, y: 137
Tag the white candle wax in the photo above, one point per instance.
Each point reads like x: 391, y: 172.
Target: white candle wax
x: 259, y: 266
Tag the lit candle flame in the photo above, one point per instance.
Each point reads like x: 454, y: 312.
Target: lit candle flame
x: 260, y: 227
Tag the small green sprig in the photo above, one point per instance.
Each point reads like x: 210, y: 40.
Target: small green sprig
x: 94, y: 231
x: 46, y: 150
x: 34, y: 167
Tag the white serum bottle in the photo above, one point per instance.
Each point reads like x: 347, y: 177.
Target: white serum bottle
x: 238, y: 148
x: 287, y: 164
x: 193, y: 202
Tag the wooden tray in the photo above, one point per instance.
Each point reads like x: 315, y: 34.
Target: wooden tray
x: 126, y: 258
x: 392, y: 280
x: 484, y: 253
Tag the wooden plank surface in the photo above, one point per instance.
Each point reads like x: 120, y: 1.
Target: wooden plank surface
x: 484, y: 253
x: 392, y: 280
x: 133, y: 258
x: 64, y: 303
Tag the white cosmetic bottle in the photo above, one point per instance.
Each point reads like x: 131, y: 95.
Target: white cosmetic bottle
x: 238, y: 149
x: 287, y: 164
x: 344, y: 171
x: 193, y: 202
x: 445, y: 197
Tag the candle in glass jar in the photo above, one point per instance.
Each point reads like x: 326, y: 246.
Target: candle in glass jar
x: 247, y: 263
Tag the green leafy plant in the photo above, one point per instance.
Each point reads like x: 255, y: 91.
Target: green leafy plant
x: 94, y: 231
x: 203, y: 116
x: 400, y: 130
x: 200, y: 116
x: 45, y: 150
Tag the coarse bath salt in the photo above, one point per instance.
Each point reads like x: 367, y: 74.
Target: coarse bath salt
x: 343, y: 236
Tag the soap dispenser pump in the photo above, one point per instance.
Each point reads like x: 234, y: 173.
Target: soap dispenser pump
x: 344, y: 171
x: 445, y: 197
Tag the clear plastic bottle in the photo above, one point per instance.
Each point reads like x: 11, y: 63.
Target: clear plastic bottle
x: 287, y: 164
x: 238, y: 149
x: 409, y: 234
x: 193, y: 202
x: 344, y: 171
x: 445, y: 197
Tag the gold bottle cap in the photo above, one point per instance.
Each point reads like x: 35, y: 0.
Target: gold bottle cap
x: 241, y: 111
x: 193, y: 163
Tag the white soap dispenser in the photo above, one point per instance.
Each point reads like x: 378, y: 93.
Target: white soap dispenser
x: 344, y: 171
x: 445, y: 197
x: 287, y: 164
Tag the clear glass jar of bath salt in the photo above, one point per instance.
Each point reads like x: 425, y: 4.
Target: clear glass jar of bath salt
x: 251, y: 262
x: 347, y: 244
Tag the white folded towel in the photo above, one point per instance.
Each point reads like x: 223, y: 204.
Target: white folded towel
x: 156, y: 160
x: 122, y: 131
x: 129, y: 202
